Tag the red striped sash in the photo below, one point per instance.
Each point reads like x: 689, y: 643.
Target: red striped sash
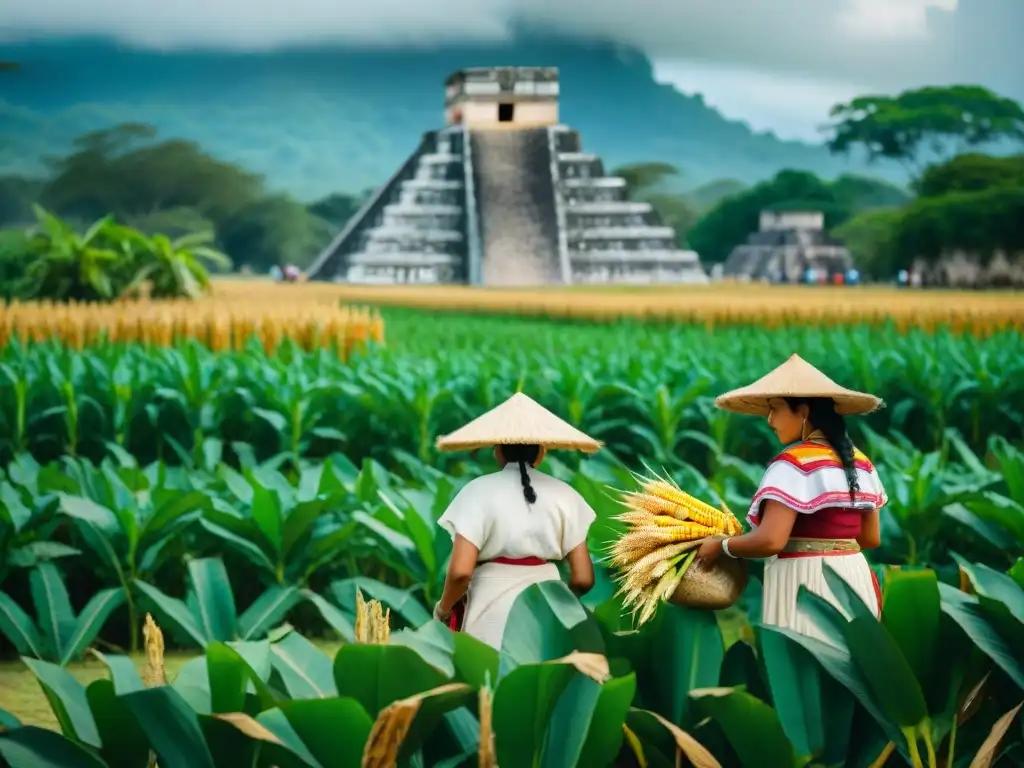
x: 519, y: 561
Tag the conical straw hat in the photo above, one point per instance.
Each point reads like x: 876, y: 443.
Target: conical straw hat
x: 795, y: 378
x: 519, y: 420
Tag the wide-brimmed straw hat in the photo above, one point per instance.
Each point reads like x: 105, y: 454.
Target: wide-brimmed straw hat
x: 795, y: 378
x: 518, y: 421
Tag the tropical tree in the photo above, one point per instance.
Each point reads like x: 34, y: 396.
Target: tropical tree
x: 973, y: 203
x: 336, y: 208
x: 730, y: 222
x: 274, y: 230
x: 646, y: 182
x: 109, y: 260
x: 643, y: 178
x: 67, y: 265
x: 971, y: 173
x: 17, y: 193
x: 862, y: 193
x: 981, y: 223
x: 15, y: 252
x: 925, y: 124
x: 175, y: 268
x: 870, y: 238
x: 124, y: 171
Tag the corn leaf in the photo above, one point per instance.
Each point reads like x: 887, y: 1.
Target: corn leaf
x: 171, y: 727
x: 67, y: 700
x: 33, y: 747
x: 90, y: 622
x: 211, y: 600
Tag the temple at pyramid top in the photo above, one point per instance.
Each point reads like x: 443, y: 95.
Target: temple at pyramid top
x: 503, y: 195
x: 502, y: 97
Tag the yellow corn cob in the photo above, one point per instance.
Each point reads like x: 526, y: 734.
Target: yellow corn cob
x: 655, y: 504
x: 155, y: 674
x: 373, y: 625
x: 686, y: 531
x: 734, y: 527
x: 642, y: 541
x: 663, y: 524
x: 693, y: 509
x: 641, y: 518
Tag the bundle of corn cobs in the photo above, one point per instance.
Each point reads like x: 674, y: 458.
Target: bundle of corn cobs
x: 665, y: 527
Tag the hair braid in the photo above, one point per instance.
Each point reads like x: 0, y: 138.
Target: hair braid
x: 528, y: 492
x: 523, y: 455
x: 822, y: 415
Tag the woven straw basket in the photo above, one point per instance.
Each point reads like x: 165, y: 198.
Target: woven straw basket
x: 712, y: 588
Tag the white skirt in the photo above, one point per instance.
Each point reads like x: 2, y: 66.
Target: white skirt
x: 493, y: 590
x: 783, y: 578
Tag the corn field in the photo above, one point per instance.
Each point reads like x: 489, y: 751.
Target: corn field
x: 645, y: 389
x: 249, y: 495
x: 980, y: 314
x: 247, y: 568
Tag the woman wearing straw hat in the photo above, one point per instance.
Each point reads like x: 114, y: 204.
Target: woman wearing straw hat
x: 819, y: 498
x: 509, y: 528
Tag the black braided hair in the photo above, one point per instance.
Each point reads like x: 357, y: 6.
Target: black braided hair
x: 523, y: 455
x: 821, y: 413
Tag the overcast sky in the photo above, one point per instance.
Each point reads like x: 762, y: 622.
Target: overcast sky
x: 779, y: 64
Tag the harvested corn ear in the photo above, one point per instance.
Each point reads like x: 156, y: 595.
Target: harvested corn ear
x: 664, y: 528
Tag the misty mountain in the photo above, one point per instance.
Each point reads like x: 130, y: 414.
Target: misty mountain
x: 326, y: 119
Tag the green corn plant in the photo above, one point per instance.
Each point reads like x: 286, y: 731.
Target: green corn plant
x: 659, y: 426
x: 208, y: 613
x: 124, y: 399
x: 64, y: 375
x: 282, y: 701
x: 27, y: 527
x: 923, y: 488
x: 58, y: 634
x: 190, y: 388
x: 998, y: 514
x: 129, y: 528
x: 633, y: 385
x: 403, y: 525
x: 406, y: 399
x: 912, y: 672
x: 297, y: 406
x: 993, y: 617
x: 288, y: 532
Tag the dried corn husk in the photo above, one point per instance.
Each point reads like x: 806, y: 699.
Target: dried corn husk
x: 156, y: 673
x: 373, y: 624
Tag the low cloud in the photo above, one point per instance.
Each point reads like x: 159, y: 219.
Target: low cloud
x: 882, y: 43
